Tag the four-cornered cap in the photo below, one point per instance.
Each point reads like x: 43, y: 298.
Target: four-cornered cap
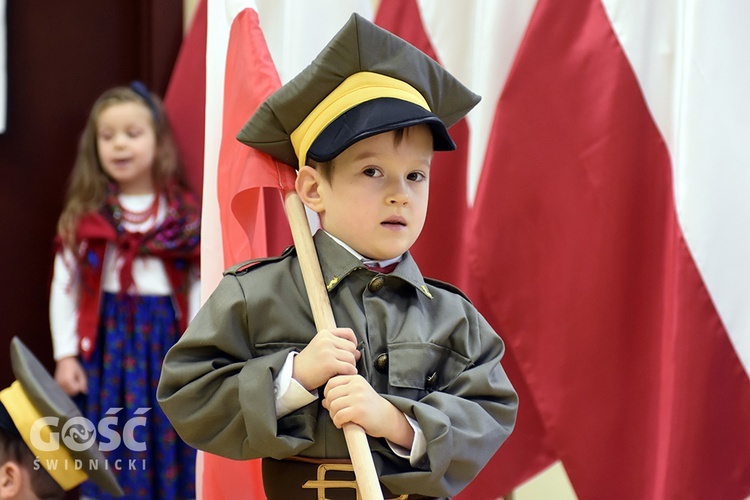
x: 35, y: 395
x: 364, y: 82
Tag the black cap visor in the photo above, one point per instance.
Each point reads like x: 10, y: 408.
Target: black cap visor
x: 6, y: 422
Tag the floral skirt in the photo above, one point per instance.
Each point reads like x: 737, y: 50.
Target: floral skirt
x: 142, y: 449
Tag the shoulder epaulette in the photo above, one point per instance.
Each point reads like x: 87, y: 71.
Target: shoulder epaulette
x: 446, y: 286
x: 248, y: 265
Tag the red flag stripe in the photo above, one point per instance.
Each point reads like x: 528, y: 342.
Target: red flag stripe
x: 577, y: 248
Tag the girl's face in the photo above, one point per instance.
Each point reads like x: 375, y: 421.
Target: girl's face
x: 376, y: 201
x: 126, y: 143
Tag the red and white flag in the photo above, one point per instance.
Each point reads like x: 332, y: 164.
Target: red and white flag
x: 606, y: 233
x: 595, y: 213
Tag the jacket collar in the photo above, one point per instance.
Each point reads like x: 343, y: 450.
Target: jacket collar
x: 336, y: 263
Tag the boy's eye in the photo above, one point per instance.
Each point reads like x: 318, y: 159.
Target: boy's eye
x: 371, y: 172
x: 416, y: 176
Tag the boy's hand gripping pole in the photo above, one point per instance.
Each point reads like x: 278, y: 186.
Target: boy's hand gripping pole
x: 356, y: 439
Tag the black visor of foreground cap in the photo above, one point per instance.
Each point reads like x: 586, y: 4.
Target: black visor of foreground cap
x: 6, y: 422
x: 360, y: 67
x: 35, y: 395
x: 375, y: 117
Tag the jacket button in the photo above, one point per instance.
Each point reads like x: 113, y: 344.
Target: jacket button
x: 381, y: 363
x: 375, y: 284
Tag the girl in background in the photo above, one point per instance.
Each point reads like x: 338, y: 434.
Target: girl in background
x: 125, y: 284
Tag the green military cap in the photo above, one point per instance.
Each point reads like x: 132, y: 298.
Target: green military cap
x: 34, y: 403
x: 364, y: 82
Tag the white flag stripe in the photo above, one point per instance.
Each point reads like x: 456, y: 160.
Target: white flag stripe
x: 293, y: 39
x: 217, y: 40
x: 234, y: 7
x: 477, y: 40
x: 696, y: 88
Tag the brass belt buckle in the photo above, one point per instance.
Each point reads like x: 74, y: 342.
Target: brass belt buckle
x: 321, y: 483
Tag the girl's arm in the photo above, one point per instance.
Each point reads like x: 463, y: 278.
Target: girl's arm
x: 63, y: 303
x: 63, y: 314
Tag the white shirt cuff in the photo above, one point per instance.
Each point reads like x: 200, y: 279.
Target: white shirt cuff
x: 290, y: 395
x: 418, y: 446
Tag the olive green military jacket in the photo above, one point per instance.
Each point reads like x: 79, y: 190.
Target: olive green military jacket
x: 424, y: 348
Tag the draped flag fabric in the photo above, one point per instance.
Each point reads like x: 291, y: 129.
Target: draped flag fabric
x: 595, y: 212
x: 249, y: 77
x: 605, y: 233
x: 185, y: 99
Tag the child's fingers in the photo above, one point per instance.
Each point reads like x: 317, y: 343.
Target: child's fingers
x: 344, y: 385
x: 345, y: 334
x: 348, y: 399
x: 343, y: 341
x: 334, y: 383
x: 348, y: 335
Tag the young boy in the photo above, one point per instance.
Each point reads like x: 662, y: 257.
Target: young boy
x: 412, y: 362
x: 33, y: 464
x: 19, y: 478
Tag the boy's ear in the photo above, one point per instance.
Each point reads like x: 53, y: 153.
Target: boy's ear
x: 308, y: 188
x: 11, y: 480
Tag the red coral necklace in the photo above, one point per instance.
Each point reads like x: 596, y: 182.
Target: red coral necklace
x: 136, y: 218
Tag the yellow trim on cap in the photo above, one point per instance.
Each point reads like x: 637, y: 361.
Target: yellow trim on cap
x: 24, y: 414
x: 356, y: 89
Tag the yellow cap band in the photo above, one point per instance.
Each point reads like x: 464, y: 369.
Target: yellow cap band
x: 58, y: 462
x: 356, y: 89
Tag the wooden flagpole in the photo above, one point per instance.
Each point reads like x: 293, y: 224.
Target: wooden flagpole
x: 356, y: 439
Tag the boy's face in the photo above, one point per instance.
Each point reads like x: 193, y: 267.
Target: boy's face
x: 376, y: 200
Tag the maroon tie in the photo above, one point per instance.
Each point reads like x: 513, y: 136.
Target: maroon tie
x: 380, y: 269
